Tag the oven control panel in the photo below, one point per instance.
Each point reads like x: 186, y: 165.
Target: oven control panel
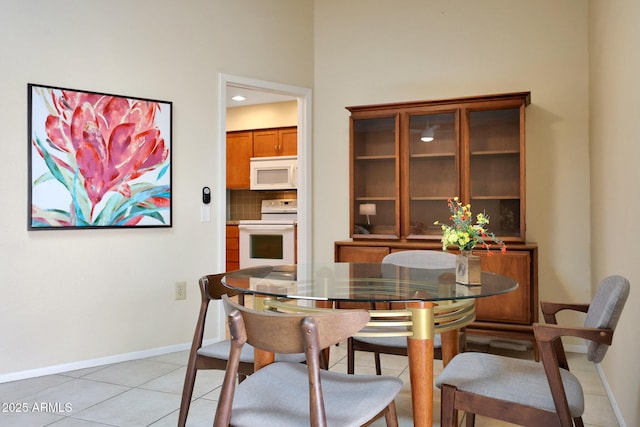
x: 279, y: 205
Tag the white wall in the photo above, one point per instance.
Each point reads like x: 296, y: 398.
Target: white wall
x: 70, y: 296
x: 615, y: 203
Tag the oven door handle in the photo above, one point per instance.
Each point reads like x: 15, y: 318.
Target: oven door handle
x: 274, y: 228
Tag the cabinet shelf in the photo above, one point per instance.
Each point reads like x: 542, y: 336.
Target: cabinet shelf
x: 375, y: 198
x: 388, y: 157
x: 430, y: 198
x: 496, y: 197
x: 496, y: 153
x: 433, y: 156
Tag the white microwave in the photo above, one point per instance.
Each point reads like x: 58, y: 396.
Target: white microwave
x: 273, y: 173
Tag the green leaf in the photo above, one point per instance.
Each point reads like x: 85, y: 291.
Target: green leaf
x: 119, y: 210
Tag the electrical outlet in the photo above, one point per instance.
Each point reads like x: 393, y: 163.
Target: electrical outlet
x: 181, y: 290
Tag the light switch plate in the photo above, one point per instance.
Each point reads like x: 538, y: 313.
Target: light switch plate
x: 205, y: 214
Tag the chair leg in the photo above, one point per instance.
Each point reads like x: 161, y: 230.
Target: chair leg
x: 325, y: 355
x: 378, y: 365
x: 187, y: 393
x: 350, y: 357
x: 391, y: 416
x: 578, y: 422
x: 447, y: 408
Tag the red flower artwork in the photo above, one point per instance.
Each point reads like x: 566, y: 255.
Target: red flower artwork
x: 114, y: 142
x: 102, y: 143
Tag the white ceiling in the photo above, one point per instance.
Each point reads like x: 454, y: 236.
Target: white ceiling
x: 254, y: 97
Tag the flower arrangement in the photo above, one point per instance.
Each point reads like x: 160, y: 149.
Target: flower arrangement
x: 464, y: 233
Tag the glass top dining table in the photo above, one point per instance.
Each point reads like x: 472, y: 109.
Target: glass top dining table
x: 432, y: 299
x: 362, y: 282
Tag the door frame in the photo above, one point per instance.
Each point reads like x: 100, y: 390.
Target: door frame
x: 303, y: 97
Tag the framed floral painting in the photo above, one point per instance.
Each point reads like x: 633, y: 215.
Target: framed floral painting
x: 98, y: 160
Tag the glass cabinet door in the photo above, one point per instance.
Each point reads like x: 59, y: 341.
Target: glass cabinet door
x: 496, y: 160
x: 433, y: 171
x: 375, y: 207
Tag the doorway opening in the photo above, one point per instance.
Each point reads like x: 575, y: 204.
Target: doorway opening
x: 304, y: 190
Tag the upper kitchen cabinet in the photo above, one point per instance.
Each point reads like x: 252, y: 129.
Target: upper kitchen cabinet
x: 408, y: 158
x: 275, y: 142
x: 239, y: 152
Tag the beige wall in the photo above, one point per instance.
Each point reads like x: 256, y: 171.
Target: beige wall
x: 615, y: 203
x: 262, y: 116
x: 71, y: 296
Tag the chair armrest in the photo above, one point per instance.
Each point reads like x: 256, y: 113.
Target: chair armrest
x: 550, y: 309
x: 553, y: 358
x: 548, y: 333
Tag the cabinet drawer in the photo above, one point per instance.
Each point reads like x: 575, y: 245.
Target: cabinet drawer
x: 361, y: 254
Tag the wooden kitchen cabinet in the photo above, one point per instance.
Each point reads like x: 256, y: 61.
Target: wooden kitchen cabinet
x: 233, y: 247
x: 239, y: 152
x: 477, y: 153
x: 275, y: 142
x: 510, y: 315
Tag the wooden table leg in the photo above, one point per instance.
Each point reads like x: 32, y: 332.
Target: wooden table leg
x: 420, y: 351
x: 262, y: 358
x: 450, y: 345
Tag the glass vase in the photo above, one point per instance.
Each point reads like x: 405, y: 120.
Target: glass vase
x: 468, y: 269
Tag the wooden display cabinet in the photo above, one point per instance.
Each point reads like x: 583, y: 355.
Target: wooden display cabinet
x: 476, y: 152
x: 407, y: 159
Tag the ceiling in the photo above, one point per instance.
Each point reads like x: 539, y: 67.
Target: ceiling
x: 254, y: 97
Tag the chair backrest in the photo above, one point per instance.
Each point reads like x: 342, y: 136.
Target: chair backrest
x: 286, y: 333
x: 211, y: 287
x: 604, y: 311
x: 421, y: 259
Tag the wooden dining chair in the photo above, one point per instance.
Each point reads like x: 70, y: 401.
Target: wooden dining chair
x: 398, y: 345
x: 292, y: 394
x: 526, y: 392
x: 214, y: 356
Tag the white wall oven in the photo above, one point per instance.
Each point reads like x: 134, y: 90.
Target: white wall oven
x: 270, y: 240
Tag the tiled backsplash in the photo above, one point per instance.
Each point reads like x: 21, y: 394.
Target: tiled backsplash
x: 245, y: 204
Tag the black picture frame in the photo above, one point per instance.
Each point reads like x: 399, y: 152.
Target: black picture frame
x: 98, y: 160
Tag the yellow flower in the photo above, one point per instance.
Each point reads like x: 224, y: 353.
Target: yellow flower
x: 463, y: 232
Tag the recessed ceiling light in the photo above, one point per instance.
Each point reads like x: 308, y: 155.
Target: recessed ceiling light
x: 238, y: 98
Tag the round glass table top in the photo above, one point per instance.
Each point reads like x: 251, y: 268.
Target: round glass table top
x: 362, y: 282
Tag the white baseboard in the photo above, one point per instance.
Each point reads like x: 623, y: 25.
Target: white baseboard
x: 83, y: 364
x: 610, y: 396
x: 605, y: 384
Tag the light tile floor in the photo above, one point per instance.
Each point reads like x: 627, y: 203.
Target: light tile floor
x: 147, y: 393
